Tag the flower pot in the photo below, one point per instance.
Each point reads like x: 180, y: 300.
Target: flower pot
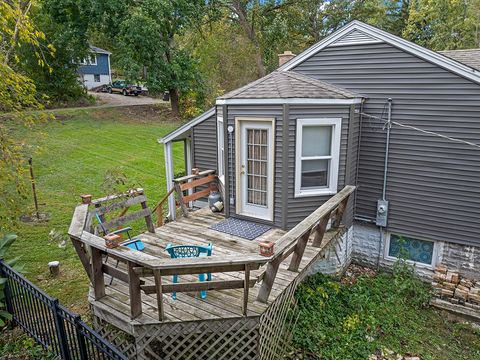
x: 266, y: 248
x: 112, y: 241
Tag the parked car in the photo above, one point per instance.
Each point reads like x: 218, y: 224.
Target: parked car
x: 120, y: 86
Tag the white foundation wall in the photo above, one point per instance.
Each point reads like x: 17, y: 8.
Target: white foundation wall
x: 89, y: 80
x: 337, y: 256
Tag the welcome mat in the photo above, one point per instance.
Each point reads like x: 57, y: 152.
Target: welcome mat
x: 244, y: 229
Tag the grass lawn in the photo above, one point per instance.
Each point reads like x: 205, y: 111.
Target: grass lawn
x: 367, y: 313
x: 74, y: 154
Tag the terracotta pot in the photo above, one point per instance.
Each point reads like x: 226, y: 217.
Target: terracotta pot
x: 112, y: 241
x: 86, y: 199
x: 266, y: 248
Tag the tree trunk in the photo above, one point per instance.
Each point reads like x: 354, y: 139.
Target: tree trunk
x: 240, y: 10
x: 174, y: 101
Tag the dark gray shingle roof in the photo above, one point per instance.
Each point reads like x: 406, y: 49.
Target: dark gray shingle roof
x: 289, y: 84
x: 98, y: 50
x: 469, y: 57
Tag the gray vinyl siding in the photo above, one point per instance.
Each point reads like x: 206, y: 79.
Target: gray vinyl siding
x: 258, y: 111
x: 204, y: 142
x: 433, y: 183
x: 299, y: 208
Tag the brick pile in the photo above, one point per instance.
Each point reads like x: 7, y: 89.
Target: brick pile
x: 450, y: 286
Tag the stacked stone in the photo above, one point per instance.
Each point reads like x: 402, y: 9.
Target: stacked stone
x: 450, y: 286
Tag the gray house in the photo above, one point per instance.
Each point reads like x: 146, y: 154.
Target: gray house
x: 361, y: 107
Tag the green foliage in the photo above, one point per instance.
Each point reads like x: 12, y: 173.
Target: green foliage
x: 147, y: 33
x: 75, y: 156
x: 14, y: 344
x: 340, y: 321
x: 5, y: 242
x: 443, y: 25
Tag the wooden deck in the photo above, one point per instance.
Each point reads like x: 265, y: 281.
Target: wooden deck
x: 245, y: 313
x: 219, y: 304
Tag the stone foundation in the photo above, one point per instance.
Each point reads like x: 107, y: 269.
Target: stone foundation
x: 369, y: 250
x: 337, y: 256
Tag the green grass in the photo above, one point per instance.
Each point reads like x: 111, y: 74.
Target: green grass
x: 354, y: 319
x: 73, y: 156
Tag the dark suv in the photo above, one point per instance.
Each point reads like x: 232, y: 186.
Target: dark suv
x: 120, y: 86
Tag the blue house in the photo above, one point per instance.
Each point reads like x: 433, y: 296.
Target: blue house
x: 95, y: 70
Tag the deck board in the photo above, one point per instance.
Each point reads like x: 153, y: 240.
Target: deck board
x: 219, y: 304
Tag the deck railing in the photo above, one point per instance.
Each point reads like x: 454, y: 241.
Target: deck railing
x: 53, y: 326
x: 182, y: 184
x: 143, y: 272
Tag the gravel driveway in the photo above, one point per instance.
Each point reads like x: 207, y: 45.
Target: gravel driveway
x: 120, y: 100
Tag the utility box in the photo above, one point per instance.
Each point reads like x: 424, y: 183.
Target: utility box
x: 382, y: 213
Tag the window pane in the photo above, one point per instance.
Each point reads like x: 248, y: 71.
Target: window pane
x: 411, y: 249
x: 314, y: 173
x: 316, y: 140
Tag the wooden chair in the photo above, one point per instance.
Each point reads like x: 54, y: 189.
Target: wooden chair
x: 188, y: 251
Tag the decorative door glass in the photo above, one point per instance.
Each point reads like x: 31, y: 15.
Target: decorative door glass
x: 257, y: 166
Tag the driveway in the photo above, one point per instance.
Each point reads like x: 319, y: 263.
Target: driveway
x: 120, y: 100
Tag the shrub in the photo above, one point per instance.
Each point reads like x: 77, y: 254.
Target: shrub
x: 337, y: 321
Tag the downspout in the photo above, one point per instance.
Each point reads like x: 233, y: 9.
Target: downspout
x: 388, y: 125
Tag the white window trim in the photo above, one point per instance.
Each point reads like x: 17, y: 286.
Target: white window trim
x: 220, y: 148
x: 88, y: 61
x: 336, y: 123
x: 417, y: 264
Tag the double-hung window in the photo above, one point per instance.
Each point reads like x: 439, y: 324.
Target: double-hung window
x: 317, y: 156
x: 221, y: 150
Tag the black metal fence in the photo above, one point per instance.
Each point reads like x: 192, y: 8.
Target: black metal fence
x: 53, y: 326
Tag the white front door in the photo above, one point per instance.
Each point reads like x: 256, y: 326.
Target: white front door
x: 255, y: 163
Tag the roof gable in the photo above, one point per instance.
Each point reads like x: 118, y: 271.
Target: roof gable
x: 354, y: 37
x: 358, y: 32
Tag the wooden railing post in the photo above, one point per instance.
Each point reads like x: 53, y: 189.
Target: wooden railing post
x: 158, y: 285
x: 320, y: 231
x: 159, y: 211
x: 148, y: 218
x: 339, y: 213
x: 134, y: 291
x: 179, y: 192
x: 98, y: 280
x: 268, y: 280
x: 246, y: 288
x: 298, y: 252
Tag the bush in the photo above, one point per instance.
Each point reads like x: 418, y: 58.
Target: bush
x: 337, y: 321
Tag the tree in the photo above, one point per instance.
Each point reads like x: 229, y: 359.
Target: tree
x: 17, y: 95
x: 147, y: 34
x: 443, y: 24
x: 225, y: 56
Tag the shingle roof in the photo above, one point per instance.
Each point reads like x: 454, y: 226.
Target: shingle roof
x: 469, y: 57
x: 98, y: 50
x: 289, y: 84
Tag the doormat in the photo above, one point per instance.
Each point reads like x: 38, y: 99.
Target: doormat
x: 244, y: 229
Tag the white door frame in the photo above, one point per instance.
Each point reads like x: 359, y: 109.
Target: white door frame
x: 240, y: 152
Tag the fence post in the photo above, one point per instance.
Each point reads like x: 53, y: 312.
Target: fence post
x: 6, y: 290
x: 80, y: 339
x: 61, y: 334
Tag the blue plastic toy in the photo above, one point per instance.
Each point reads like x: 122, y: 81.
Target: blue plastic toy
x: 188, y: 251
